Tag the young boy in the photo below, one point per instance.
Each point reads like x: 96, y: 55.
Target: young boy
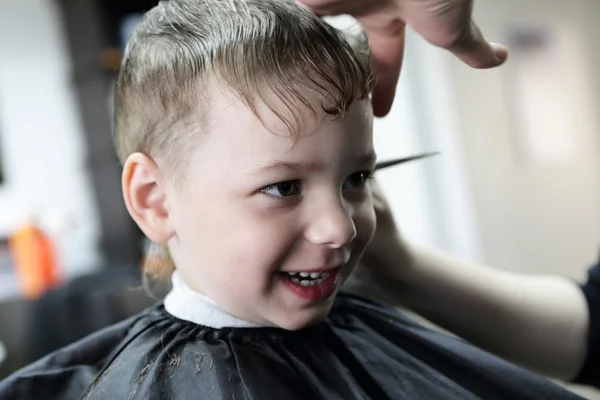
x: 245, y: 130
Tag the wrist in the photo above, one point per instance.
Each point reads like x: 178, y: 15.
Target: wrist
x: 389, y: 266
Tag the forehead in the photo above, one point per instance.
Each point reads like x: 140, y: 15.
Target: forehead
x: 281, y: 130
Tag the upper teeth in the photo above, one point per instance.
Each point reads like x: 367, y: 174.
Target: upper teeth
x: 308, y: 278
x: 313, y: 275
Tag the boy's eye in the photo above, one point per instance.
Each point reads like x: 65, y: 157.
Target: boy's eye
x: 283, y: 189
x: 358, y: 180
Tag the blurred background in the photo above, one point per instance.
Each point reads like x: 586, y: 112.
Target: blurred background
x: 517, y: 184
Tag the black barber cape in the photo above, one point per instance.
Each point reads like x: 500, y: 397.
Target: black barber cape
x: 590, y: 373
x: 362, y: 351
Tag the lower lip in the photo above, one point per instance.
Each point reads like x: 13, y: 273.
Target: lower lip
x: 314, y: 293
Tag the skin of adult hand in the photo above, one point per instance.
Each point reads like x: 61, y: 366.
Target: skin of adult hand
x: 444, y: 23
x: 387, y: 260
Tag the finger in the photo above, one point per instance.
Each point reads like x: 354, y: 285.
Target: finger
x: 317, y: 12
x: 335, y: 7
x: 387, y: 53
x: 475, y: 51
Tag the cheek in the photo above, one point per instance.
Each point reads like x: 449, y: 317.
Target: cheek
x: 365, y: 222
x: 245, y: 236
x: 266, y: 245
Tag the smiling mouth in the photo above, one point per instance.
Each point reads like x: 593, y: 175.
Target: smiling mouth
x: 313, y: 285
x: 307, y: 278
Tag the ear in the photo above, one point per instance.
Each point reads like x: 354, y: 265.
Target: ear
x: 146, y: 198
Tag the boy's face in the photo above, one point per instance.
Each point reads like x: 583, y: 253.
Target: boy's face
x: 258, y: 212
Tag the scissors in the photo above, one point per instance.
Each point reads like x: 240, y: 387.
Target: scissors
x: 397, y: 161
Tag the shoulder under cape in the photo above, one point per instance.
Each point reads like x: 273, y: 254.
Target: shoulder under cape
x: 362, y: 351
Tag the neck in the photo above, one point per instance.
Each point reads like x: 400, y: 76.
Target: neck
x: 183, y: 303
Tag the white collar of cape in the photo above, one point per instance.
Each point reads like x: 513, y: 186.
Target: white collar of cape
x: 183, y: 303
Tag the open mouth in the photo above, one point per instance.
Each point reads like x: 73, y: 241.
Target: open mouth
x: 312, y: 286
x: 307, y: 278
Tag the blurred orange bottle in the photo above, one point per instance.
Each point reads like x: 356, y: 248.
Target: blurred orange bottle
x: 35, y: 260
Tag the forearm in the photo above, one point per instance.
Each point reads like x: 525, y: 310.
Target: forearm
x: 538, y: 322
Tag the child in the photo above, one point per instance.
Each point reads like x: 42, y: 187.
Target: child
x: 245, y: 129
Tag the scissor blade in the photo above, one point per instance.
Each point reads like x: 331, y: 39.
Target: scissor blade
x: 397, y: 161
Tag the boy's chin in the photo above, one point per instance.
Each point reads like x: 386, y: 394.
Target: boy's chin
x: 304, y: 318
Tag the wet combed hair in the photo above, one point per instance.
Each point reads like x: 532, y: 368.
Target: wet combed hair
x: 183, y: 49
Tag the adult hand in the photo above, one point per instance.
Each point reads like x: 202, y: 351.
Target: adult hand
x: 387, y: 261
x: 444, y: 23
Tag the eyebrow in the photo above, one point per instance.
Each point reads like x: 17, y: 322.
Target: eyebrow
x: 366, y: 159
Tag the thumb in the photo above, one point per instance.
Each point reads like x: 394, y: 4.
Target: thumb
x: 475, y: 51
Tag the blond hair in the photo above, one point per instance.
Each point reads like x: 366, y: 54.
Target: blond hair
x: 181, y: 46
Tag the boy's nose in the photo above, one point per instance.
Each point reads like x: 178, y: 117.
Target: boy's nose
x: 332, y: 226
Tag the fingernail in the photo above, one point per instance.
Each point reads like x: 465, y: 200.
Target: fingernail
x: 500, y: 51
